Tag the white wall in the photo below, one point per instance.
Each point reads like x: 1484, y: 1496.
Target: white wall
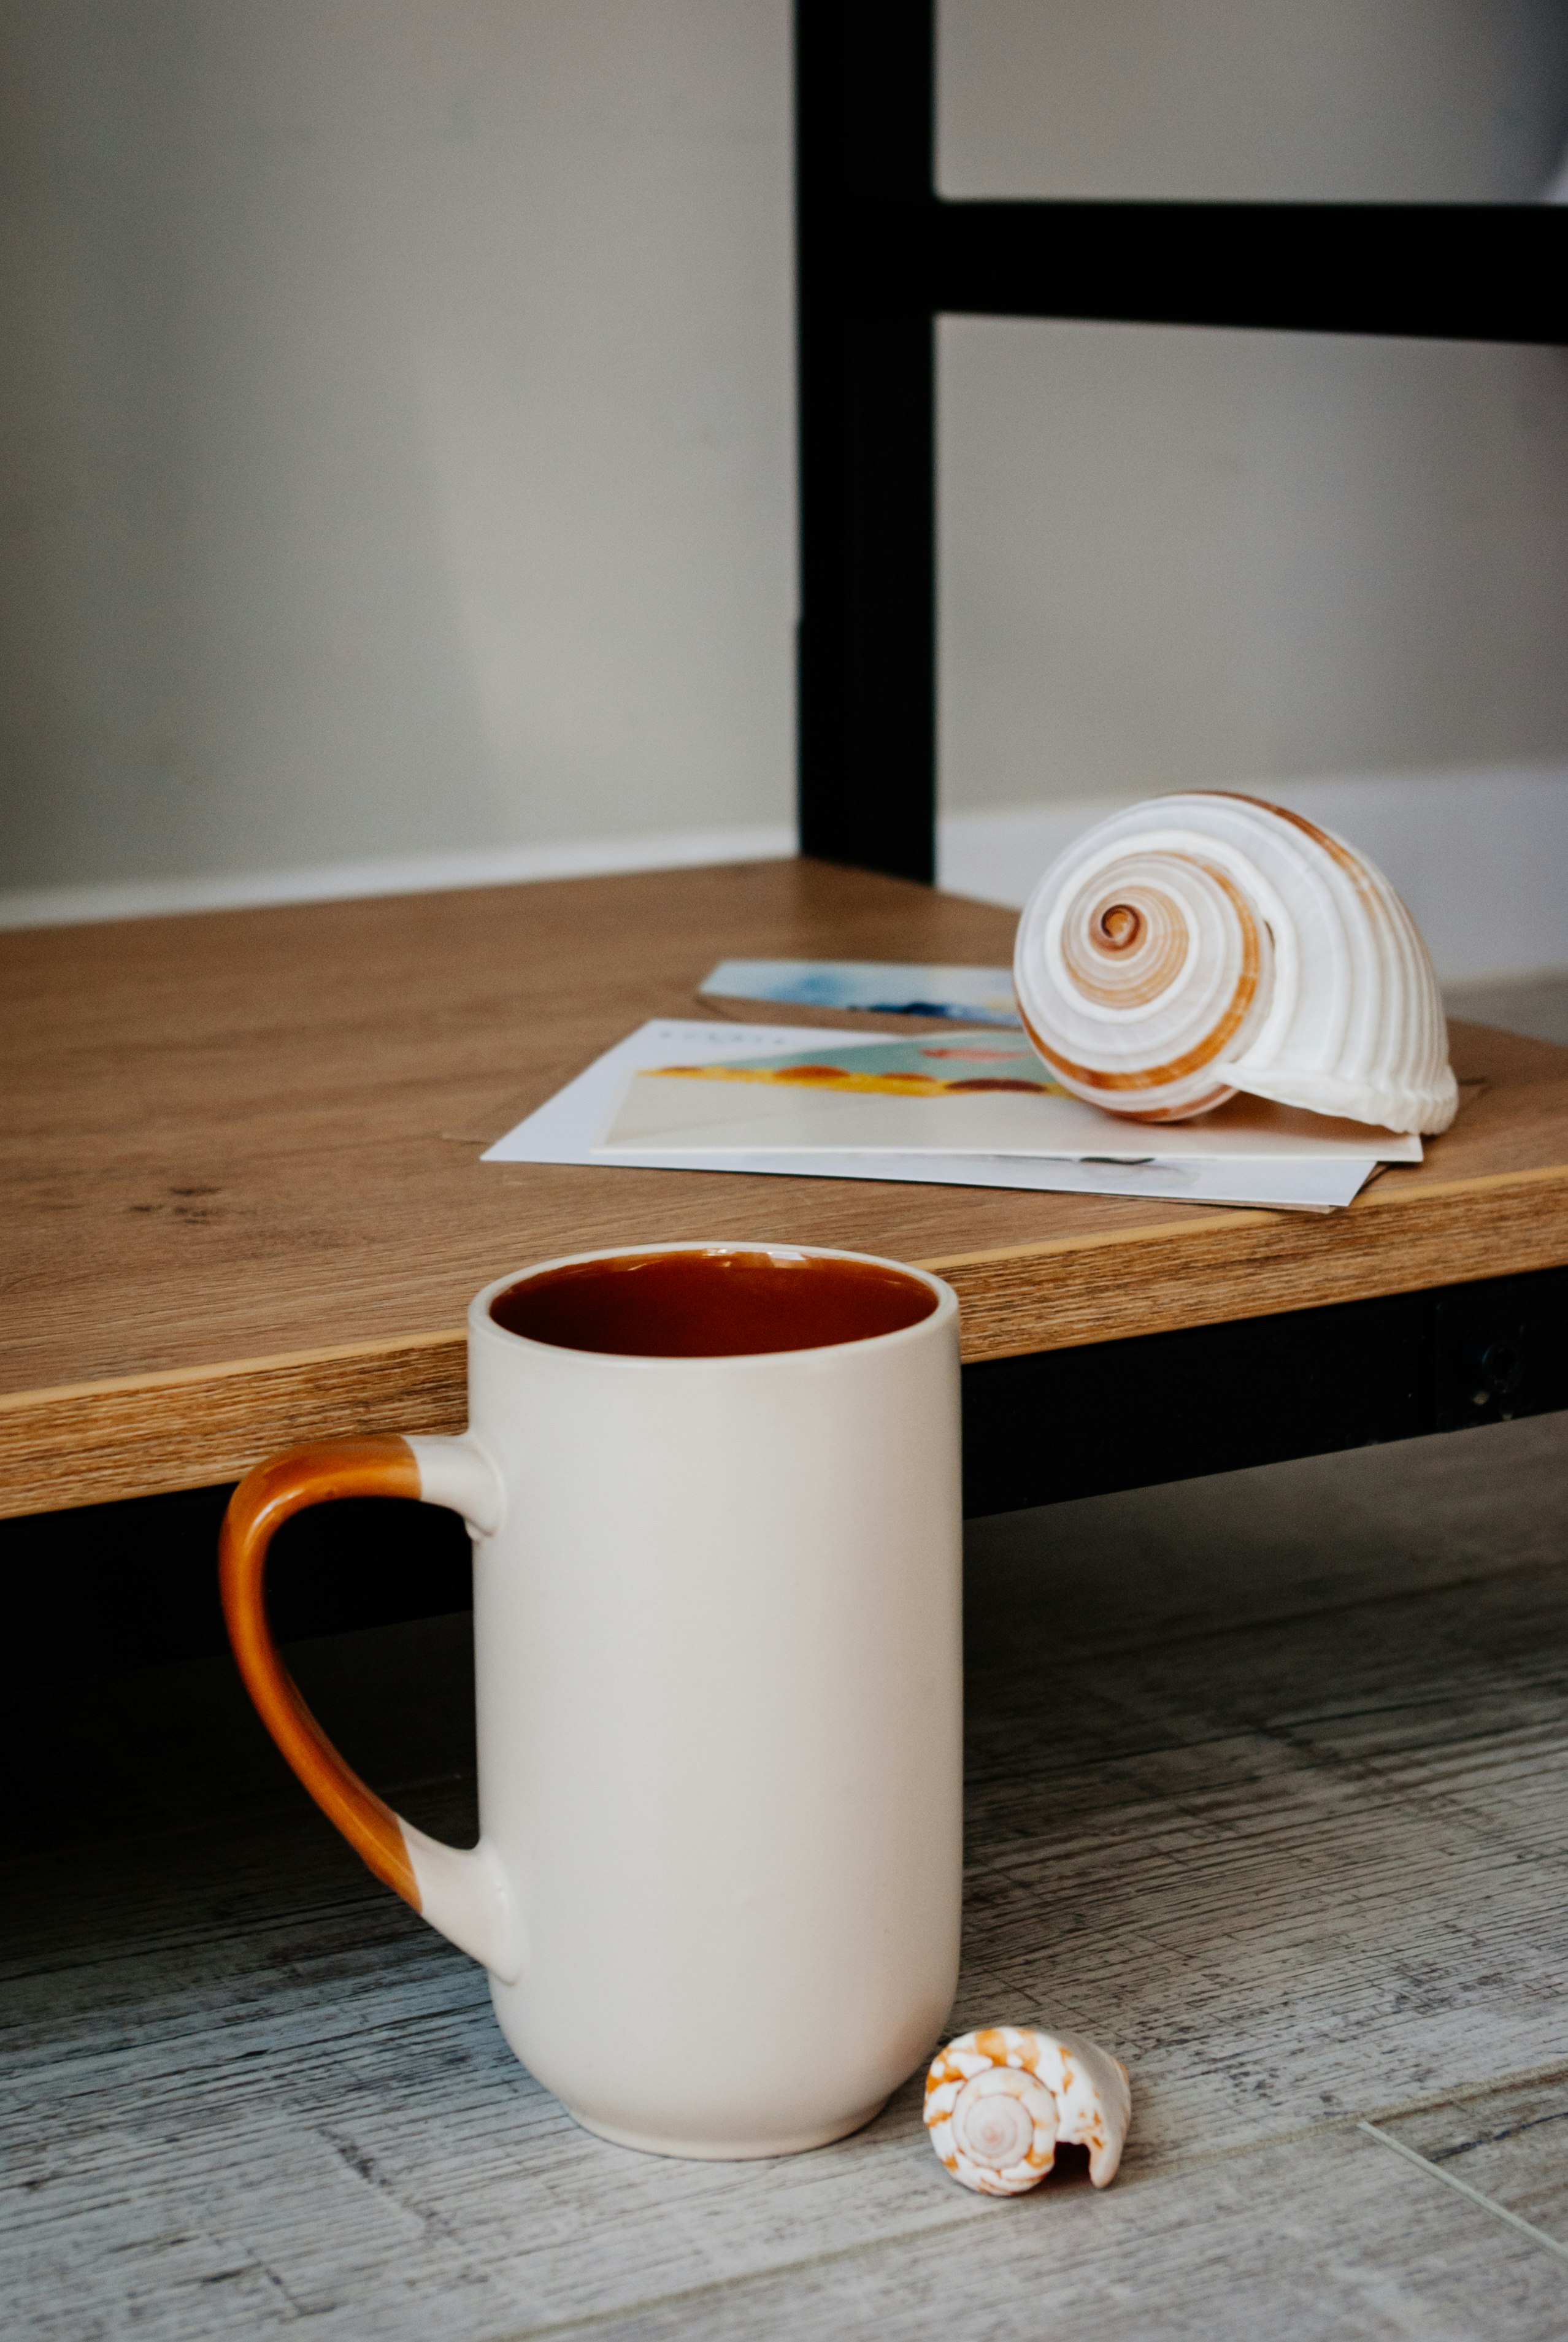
x: 1172, y: 557
x: 397, y: 415
x: 397, y: 405
x: 1367, y: 100
x: 1178, y: 557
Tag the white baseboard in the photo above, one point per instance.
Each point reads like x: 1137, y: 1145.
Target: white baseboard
x: 1481, y: 856
x: 426, y: 874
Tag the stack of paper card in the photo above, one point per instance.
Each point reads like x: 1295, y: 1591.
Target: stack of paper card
x: 975, y: 1109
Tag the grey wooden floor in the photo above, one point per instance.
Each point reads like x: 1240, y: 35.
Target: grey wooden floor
x: 1268, y: 1791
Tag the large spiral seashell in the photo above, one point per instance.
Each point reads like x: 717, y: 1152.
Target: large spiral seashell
x: 1195, y: 945
x: 997, y: 2103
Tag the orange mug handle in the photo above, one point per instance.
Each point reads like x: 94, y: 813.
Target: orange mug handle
x: 463, y: 1893
x: 264, y: 1499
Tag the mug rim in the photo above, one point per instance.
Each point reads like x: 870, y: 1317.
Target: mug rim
x: 480, y: 1323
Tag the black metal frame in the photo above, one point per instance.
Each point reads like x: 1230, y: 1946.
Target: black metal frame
x: 1057, y: 1424
x: 880, y: 256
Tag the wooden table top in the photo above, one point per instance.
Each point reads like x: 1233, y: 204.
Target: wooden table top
x: 244, y: 1204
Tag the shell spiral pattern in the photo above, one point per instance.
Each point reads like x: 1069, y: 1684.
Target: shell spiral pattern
x: 1195, y: 945
x: 997, y: 2103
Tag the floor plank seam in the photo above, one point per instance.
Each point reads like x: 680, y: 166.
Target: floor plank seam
x: 281, y: 1809
x: 1295, y: 1730
x: 1496, y: 2137
x: 194, y: 1939
x: 1173, y: 2161
x: 1462, y: 2187
x: 1168, y: 1637
x: 1168, y: 2167
x: 864, y: 2248
x: 1524, y: 2078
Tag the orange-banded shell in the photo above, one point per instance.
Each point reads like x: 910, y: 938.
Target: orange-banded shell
x: 999, y: 2101
x: 1195, y: 945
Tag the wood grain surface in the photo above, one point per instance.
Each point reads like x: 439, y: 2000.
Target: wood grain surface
x: 1265, y: 1791
x: 243, y: 1204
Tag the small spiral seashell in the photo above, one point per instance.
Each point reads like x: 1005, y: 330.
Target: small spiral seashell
x: 998, y: 2101
x: 1195, y: 945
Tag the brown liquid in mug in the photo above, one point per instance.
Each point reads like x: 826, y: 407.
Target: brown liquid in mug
x: 710, y: 1304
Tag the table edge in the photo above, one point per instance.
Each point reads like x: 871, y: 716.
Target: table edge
x: 194, y: 1426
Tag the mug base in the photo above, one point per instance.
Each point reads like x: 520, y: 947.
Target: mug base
x: 729, y: 2150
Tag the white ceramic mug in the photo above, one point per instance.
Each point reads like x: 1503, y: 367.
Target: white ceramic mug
x: 714, y: 1492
